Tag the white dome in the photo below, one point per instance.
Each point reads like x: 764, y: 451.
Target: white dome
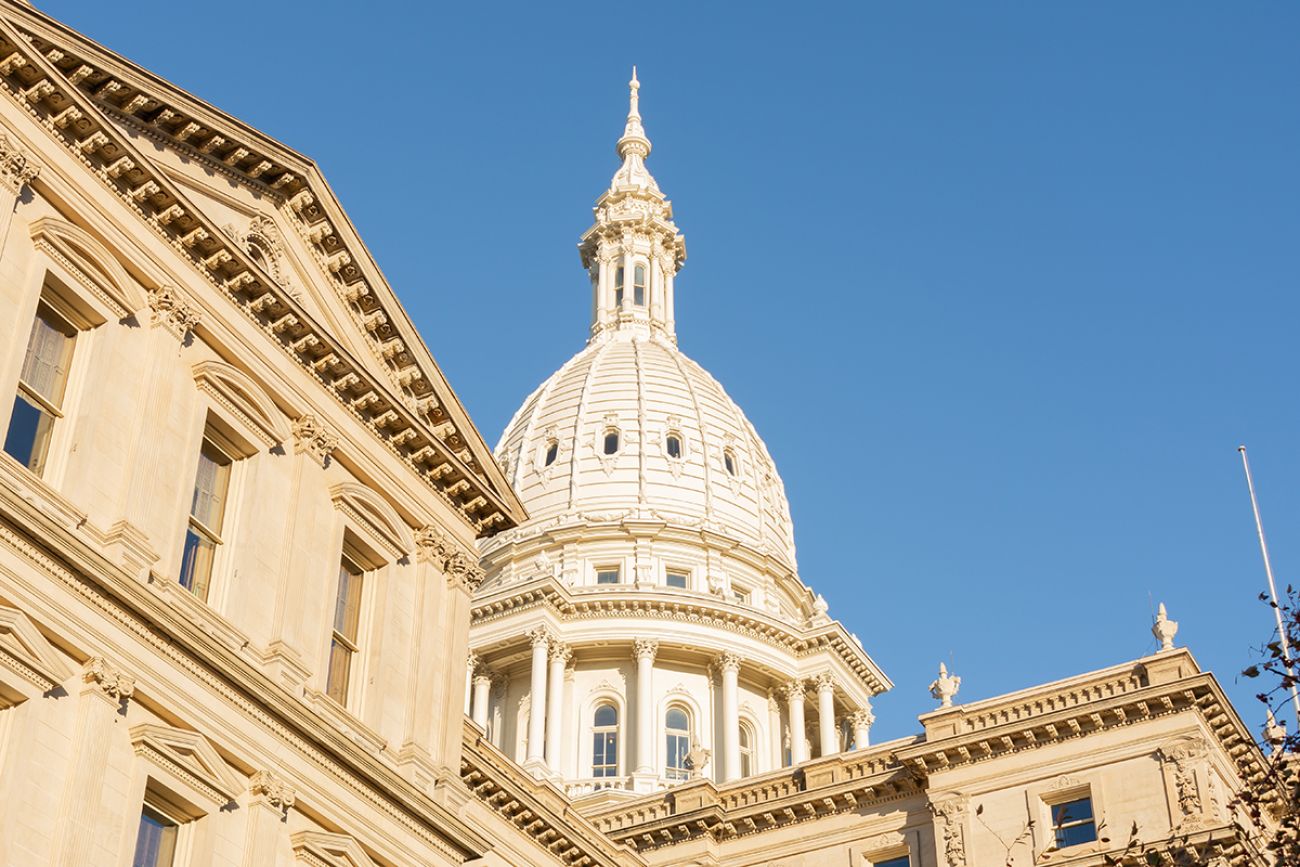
x: 636, y: 384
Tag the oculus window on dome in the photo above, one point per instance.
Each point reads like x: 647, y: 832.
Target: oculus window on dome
x: 611, y: 442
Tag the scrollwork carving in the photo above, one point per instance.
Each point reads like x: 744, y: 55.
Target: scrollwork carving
x: 17, y: 167
x: 310, y: 437
x: 109, y: 679
x: 169, y: 310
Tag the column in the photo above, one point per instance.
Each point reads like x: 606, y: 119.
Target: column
x: 774, y: 754
x: 482, y: 692
x: 645, y: 705
x: 830, y: 738
x: 729, y: 664
x: 268, y: 807
x: 794, y: 697
x: 105, y: 691
x: 862, y: 720
x: 537, y: 696
x: 555, y: 705
x: 470, y: 664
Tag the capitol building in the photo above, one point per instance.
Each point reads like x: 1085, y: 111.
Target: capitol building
x: 267, y: 598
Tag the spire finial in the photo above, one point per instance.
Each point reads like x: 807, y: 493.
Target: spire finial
x: 1164, y: 629
x: 634, y: 140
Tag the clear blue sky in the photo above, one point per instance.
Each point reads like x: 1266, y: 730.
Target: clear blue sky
x: 1002, y: 285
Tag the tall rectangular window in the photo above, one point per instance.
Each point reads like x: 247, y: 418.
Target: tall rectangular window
x: 41, y: 383
x: 207, y: 513
x: 347, y: 620
x: 155, y: 840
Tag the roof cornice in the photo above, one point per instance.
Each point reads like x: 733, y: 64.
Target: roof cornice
x: 71, y: 86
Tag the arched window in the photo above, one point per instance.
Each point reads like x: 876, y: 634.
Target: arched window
x: 552, y: 452
x: 729, y: 461
x: 673, y: 445
x: 638, y: 285
x: 611, y: 442
x: 746, y: 750
x: 677, y: 726
x: 618, y: 287
x: 604, y: 741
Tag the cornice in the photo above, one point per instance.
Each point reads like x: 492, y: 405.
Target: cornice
x: 536, y: 808
x: 608, y: 604
x: 69, y: 95
x: 72, y: 563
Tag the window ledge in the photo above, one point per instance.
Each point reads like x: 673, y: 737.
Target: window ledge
x: 345, y: 721
x: 202, y: 615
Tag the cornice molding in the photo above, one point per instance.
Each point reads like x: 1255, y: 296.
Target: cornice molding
x: 69, y: 96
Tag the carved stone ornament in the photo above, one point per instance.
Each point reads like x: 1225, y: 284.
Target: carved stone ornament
x: 825, y: 682
x: 460, y: 567
x: 696, y: 760
x: 952, y: 831
x: 17, y: 167
x: 729, y: 662
x: 169, y: 310
x: 1183, y: 759
x: 945, y: 686
x: 109, y: 679
x: 272, y: 789
x: 310, y: 437
x: 862, y: 719
x: 645, y: 647
x: 432, y: 546
x: 539, y: 635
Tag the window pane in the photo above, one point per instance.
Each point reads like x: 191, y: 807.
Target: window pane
x: 606, y: 715
x: 552, y: 452
x: 638, y: 286
x: 1071, y: 811
x: 607, y: 576
x: 210, y: 484
x: 677, y: 579
x: 893, y: 862
x: 196, y: 563
x: 49, y: 349
x: 674, y: 447
x: 611, y: 442
x: 730, y: 462
x: 28, y: 438
x: 675, y: 719
x: 155, y: 842
x: 1076, y: 834
x: 336, y: 684
x: 347, y: 605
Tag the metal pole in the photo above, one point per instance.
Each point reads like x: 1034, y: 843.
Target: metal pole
x: 1272, y: 585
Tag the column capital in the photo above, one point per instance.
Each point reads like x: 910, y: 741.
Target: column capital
x: 108, y: 679
x: 312, y: 438
x: 484, y: 675
x: 862, y: 719
x: 825, y: 682
x: 560, y: 652
x: 472, y: 660
x: 792, y: 690
x: 171, y: 311
x: 18, y: 167
x: 728, y: 661
x: 271, y: 789
x: 539, y: 635
x: 646, y: 648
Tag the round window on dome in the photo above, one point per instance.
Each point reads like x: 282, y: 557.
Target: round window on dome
x: 729, y: 461
x: 611, y: 442
x: 552, y: 452
x: 673, y: 446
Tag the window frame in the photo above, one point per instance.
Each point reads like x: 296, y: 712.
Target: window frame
x: 684, y: 574
x: 604, y: 442
x: 614, y: 569
x: 214, y: 441
x: 1057, y: 828
x: 164, y: 820
x: 1062, y: 789
x: 368, y: 566
x: 731, y: 463
x: 669, y: 438
x: 640, y: 284
x: 674, y: 773
x: 620, y: 279
x: 616, y: 729
x: 748, y: 753
x: 49, y: 311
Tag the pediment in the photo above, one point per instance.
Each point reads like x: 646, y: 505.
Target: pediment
x: 27, y: 653
x: 101, y: 108
x: 323, y: 849
x: 92, y: 264
x: 240, y: 395
x: 190, y: 756
x: 373, y: 514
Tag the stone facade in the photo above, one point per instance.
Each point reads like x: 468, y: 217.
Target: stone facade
x: 241, y: 518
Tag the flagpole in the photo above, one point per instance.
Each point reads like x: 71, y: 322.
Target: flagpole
x: 1272, y: 585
